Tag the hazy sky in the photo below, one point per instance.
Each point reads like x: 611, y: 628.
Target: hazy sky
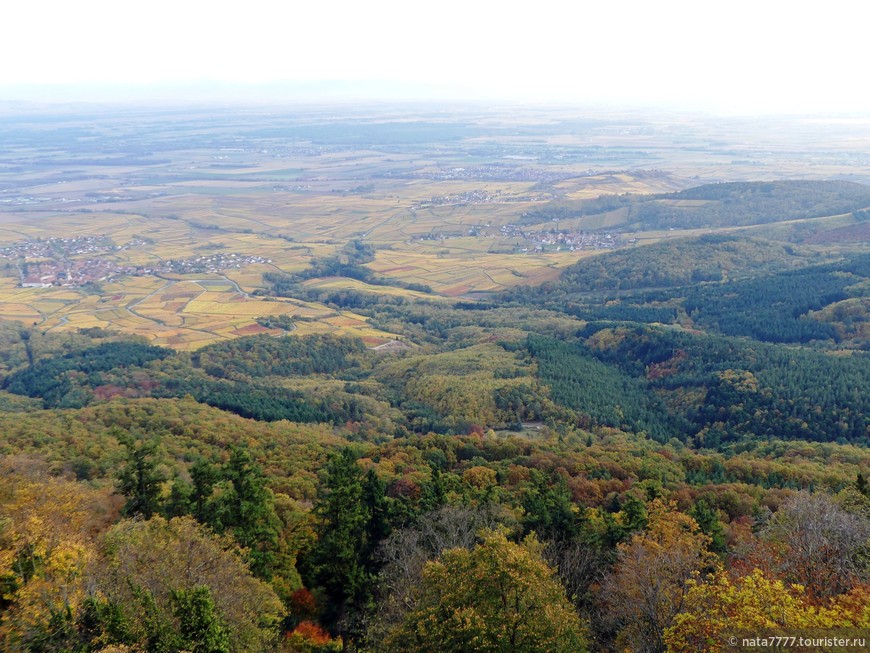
x: 758, y: 56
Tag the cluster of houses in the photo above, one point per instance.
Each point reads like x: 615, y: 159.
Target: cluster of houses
x: 562, y: 240
x: 530, y: 242
x: 70, y: 273
x: 478, y: 197
x: 211, y: 263
x: 54, y: 247
x: 65, y: 262
x: 468, y: 197
x: 501, y: 173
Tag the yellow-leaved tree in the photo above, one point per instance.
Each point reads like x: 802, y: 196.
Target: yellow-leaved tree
x: 46, y: 542
x: 497, y: 597
x: 723, y: 605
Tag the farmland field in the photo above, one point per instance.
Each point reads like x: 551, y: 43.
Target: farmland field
x: 145, y: 226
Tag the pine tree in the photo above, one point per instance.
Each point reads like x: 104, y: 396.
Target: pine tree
x: 434, y: 492
x: 204, y: 476
x: 378, y: 523
x: 178, y: 503
x: 339, y: 555
x: 246, y: 509
x: 549, y: 508
x: 140, y: 482
x: 703, y: 513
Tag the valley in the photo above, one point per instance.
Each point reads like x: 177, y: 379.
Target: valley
x: 306, y: 379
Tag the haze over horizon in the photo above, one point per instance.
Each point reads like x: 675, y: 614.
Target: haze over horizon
x: 741, y: 58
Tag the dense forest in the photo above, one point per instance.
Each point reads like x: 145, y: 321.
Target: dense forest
x: 764, y: 292
x: 668, y: 444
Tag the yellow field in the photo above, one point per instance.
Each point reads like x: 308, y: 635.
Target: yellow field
x: 184, y: 313
x: 616, y: 184
x: 460, y: 271
x: 335, y: 283
x: 261, y: 210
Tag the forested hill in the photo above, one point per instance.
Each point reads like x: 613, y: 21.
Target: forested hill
x: 684, y: 261
x: 305, y: 494
x: 732, y: 204
x: 723, y: 284
x: 662, y: 382
x: 156, y: 522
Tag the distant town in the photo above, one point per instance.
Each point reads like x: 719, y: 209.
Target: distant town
x: 530, y: 242
x: 496, y: 172
x: 571, y: 241
x: 479, y: 196
x: 44, y: 263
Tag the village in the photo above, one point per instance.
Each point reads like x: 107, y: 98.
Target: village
x: 559, y: 240
x: 44, y: 263
x: 53, y: 247
x: 531, y: 242
x: 477, y: 197
x: 500, y: 172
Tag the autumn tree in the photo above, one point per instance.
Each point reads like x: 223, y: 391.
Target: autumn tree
x: 820, y: 545
x: 404, y: 554
x: 175, y: 581
x: 46, y: 544
x: 647, y: 587
x: 724, y: 604
x: 580, y: 566
x: 497, y: 597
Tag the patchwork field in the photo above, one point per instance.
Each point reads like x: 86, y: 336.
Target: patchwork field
x: 146, y: 226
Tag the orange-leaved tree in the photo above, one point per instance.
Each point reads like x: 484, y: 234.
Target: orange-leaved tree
x: 648, y: 586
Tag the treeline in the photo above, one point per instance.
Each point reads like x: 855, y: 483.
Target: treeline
x: 730, y: 390
x: 89, y: 444
x: 567, y: 210
x: 221, y: 376
x: 681, y: 262
x: 773, y: 307
x: 665, y: 383
x: 578, y: 526
x: 248, y: 376
x: 730, y: 204
x: 746, y: 203
x: 263, y: 355
x: 262, y: 402
x: 350, y: 263
x: 54, y: 379
x: 622, y: 312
